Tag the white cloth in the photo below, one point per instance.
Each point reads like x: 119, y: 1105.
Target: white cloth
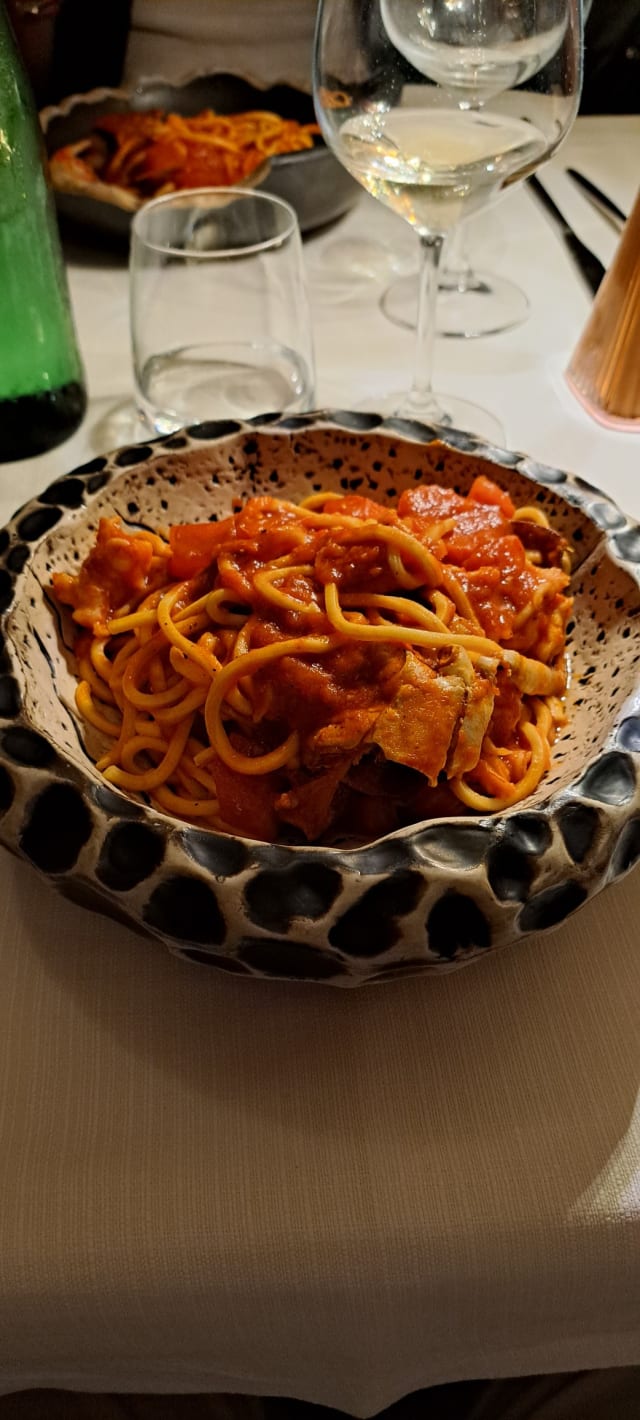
x: 211, y: 1184
x: 264, y: 40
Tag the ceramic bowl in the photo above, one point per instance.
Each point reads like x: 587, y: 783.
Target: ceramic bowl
x: 312, y: 181
x: 426, y: 898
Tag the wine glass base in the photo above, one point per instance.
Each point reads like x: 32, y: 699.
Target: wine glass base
x: 485, y: 304
x: 446, y: 411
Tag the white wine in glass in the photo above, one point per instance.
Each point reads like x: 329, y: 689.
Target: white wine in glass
x: 436, y: 106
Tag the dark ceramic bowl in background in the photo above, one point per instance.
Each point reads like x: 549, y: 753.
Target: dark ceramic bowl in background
x: 312, y: 181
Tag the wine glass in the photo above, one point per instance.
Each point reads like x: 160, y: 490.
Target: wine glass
x: 436, y: 106
x: 472, y: 301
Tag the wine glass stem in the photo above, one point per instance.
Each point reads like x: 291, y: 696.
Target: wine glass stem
x: 422, y: 395
x: 457, y: 264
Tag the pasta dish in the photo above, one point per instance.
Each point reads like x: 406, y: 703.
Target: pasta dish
x: 329, y: 670
x: 148, y: 154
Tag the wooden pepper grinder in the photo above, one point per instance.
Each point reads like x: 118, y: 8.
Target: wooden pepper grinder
x: 604, y: 371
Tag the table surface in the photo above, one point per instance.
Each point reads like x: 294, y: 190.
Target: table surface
x: 212, y: 1184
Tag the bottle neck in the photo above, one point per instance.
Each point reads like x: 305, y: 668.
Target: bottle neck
x: 11, y: 63
x: 7, y: 39
x: 27, y: 28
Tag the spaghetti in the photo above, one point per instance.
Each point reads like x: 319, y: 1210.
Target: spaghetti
x: 149, y: 154
x: 338, y: 667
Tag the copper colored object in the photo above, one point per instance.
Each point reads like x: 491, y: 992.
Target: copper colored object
x: 604, y: 371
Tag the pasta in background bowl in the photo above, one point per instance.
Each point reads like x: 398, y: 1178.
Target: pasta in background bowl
x: 310, y: 179
x: 431, y: 894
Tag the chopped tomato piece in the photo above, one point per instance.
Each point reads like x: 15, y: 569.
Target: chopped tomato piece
x: 205, y: 166
x: 354, y: 505
x: 193, y: 546
x: 161, y: 161
x: 122, y: 567
x: 246, y: 801
x: 429, y: 500
x: 484, y: 490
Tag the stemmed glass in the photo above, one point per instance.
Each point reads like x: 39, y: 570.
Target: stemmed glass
x: 471, y: 301
x: 436, y: 106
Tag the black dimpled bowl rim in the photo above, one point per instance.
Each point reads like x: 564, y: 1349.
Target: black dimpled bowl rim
x: 430, y: 897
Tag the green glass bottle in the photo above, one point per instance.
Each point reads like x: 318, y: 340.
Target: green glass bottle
x: 42, y: 391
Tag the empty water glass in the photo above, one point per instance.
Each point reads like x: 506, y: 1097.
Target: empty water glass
x: 220, y: 323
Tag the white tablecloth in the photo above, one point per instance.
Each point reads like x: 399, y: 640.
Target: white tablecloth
x: 212, y: 1184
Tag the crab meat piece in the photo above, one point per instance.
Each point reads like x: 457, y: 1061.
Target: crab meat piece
x: 481, y: 689
x: 72, y: 163
x: 551, y: 545
x: 417, y: 727
x: 535, y: 678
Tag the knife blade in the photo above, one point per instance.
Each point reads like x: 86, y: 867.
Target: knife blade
x: 600, y: 198
x: 590, y: 267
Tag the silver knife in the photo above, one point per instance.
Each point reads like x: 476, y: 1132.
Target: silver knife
x: 588, y: 264
x: 605, y: 204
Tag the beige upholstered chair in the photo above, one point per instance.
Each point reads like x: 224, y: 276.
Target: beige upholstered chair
x: 265, y: 40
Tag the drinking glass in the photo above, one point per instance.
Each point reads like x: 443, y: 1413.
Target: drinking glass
x: 220, y: 322
x: 436, y: 106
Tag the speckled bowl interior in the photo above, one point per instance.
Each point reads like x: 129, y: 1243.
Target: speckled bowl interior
x: 428, y: 897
